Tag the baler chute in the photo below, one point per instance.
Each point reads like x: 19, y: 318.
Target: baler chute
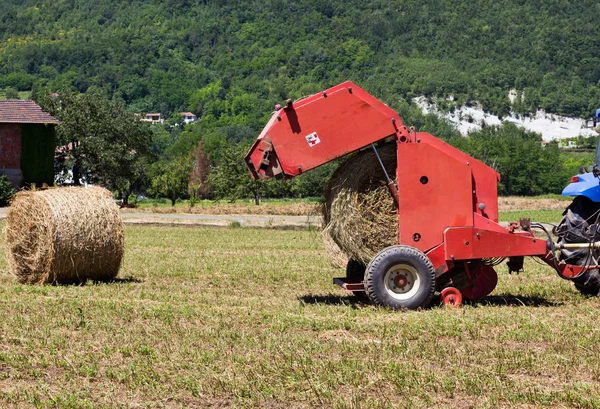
x: 447, y: 202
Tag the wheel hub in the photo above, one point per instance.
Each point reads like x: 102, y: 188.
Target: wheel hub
x: 402, y: 281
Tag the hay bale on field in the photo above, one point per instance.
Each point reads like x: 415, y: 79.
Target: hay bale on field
x: 64, y: 235
x: 358, y: 211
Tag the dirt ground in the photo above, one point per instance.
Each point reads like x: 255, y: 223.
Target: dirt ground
x: 508, y: 203
x: 512, y: 203
x: 292, y: 209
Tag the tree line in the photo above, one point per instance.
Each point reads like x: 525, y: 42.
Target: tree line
x: 101, y: 142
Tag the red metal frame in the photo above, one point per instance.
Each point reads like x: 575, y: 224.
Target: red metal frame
x: 448, y: 201
x: 349, y: 285
x: 340, y: 120
x: 565, y: 270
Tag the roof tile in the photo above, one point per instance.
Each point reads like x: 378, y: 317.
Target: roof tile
x: 24, y: 112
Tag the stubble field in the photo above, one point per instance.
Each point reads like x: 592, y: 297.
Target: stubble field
x: 206, y: 317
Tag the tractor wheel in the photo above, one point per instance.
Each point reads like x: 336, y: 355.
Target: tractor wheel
x: 356, y: 272
x: 588, y: 283
x: 400, y: 277
x: 579, y: 226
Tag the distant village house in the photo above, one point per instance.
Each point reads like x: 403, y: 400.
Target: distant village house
x: 157, y: 118
x: 154, y: 118
x: 27, y: 143
x: 188, y: 117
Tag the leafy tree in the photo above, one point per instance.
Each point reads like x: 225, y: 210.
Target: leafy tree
x: 170, y: 178
x: 11, y: 93
x: 99, y: 141
x: 161, y: 141
x: 231, y: 179
x: 311, y: 184
x: 198, y: 186
x: 526, y: 167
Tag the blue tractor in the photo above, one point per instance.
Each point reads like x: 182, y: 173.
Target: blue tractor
x: 580, y: 223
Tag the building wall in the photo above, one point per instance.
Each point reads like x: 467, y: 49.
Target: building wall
x: 10, y: 152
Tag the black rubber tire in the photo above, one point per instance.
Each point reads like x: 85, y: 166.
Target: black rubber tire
x: 576, y: 228
x: 588, y: 283
x: 390, y: 257
x: 355, y: 271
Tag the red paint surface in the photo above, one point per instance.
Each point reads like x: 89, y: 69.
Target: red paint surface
x: 342, y: 119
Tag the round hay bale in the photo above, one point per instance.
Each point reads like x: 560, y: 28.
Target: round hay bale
x: 64, y: 235
x: 358, y: 212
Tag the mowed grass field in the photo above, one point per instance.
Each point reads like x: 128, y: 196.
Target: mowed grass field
x: 206, y: 317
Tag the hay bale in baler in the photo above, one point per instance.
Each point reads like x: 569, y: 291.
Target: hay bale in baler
x: 64, y: 235
x: 336, y: 256
x: 358, y: 212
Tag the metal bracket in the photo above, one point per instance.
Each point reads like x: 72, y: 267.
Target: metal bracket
x: 347, y: 284
x: 390, y: 183
x: 525, y: 224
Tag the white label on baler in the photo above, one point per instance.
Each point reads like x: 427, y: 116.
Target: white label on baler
x: 312, y: 139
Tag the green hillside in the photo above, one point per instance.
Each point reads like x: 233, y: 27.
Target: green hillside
x: 231, y: 62
x: 156, y: 55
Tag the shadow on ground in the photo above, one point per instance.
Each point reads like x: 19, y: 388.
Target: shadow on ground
x: 118, y: 280
x: 507, y: 300
x: 330, y: 299
x: 124, y: 280
x: 510, y: 300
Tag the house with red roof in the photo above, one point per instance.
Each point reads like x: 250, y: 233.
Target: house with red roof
x: 188, y: 117
x: 27, y: 143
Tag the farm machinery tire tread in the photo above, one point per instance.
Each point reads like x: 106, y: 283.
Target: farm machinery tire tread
x: 408, y: 259
x: 589, y: 283
x: 574, y: 228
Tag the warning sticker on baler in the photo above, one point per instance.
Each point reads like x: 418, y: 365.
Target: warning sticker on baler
x: 313, y: 139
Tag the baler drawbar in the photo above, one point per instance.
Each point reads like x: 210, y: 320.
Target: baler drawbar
x: 447, y: 202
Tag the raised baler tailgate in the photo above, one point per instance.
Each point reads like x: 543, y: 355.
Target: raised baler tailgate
x: 323, y: 128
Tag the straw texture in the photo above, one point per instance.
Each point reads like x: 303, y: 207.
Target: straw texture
x: 336, y: 256
x: 64, y: 235
x: 358, y: 211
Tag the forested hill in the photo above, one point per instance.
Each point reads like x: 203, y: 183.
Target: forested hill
x: 245, y: 55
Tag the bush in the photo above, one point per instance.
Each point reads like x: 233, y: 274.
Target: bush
x: 11, y: 93
x: 6, y: 191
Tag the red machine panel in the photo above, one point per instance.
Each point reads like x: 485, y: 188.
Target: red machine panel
x: 485, y: 179
x: 466, y: 243
x: 320, y: 128
x: 435, y: 191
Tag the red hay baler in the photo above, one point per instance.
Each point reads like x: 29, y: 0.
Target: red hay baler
x: 447, y: 202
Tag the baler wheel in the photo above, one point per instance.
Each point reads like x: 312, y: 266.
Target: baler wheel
x: 486, y: 282
x: 400, y: 277
x: 451, y: 296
